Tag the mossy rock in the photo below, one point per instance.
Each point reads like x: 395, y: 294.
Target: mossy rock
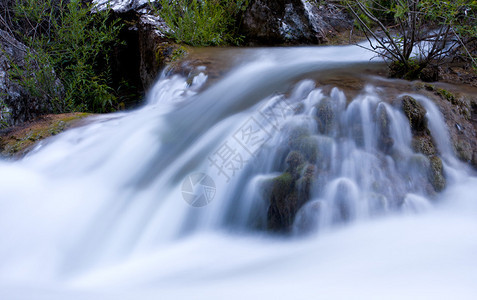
x: 308, y: 147
x: 463, y: 150
x: 305, y: 182
x: 424, y: 86
x: 283, y: 203
x: 17, y: 141
x: 399, y: 70
x: 462, y: 105
x: 429, y: 74
x: 445, y: 94
x: 415, y: 113
x: 424, y: 144
x: 295, y: 135
x: 325, y: 116
x: 293, y: 160
x: 385, y: 141
x: 436, y: 173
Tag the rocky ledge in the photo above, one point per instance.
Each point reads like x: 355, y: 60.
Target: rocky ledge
x: 17, y: 141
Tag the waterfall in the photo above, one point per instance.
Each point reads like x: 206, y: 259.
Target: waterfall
x: 176, y: 199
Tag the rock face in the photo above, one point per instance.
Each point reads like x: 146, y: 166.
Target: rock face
x: 148, y: 49
x: 422, y: 141
x: 121, y: 6
x: 17, y: 103
x: 292, y: 22
x: 460, y: 112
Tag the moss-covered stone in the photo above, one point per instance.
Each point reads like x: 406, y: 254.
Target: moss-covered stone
x: 283, y: 203
x: 304, y: 183
x: 17, y: 141
x: 325, y: 116
x: 429, y: 74
x: 445, y: 94
x: 436, y: 173
x: 295, y: 136
x: 463, y: 150
x: 293, y: 160
x: 308, y: 147
x: 399, y: 70
x: 415, y: 113
x: 385, y: 141
x: 424, y: 144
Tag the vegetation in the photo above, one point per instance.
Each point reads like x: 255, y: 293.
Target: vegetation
x: 414, y: 34
x: 65, y: 36
x: 3, y: 115
x: 203, y: 22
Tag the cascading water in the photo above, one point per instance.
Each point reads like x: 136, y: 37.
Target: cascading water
x: 112, y: 209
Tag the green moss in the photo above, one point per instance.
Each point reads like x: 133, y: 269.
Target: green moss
x: 283, y: 184
x: 178, y: 53
x: 446, y: 95
x: 411, y: 71
x: 425, y: 86
x: 21, y: 142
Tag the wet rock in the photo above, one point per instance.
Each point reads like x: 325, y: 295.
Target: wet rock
x: 295, y: 136
x: 283, y: 203
x: 436, y: 173
x: 293, y: 160
x: 429, y: 74
x: 290, y: 191
x: 325, y: 117
x: 308, y: 147
x: 292, y: 22
x: 156, y: 50
x: 459, y: 108
x: 17, y: 141
x: 20, y: 103
x: 308, y: 217
x: 424, y: 144
x: 416, y: 114
x: 147, y: 49
x: 385, y: 141
x: 304, y: 184
x: 463, y: 150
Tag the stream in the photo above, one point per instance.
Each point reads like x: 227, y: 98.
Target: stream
x: 169, y: 201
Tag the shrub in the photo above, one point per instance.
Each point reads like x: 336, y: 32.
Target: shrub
x: 433, y: 29
x: 203, y: 22
x: 67, y: 37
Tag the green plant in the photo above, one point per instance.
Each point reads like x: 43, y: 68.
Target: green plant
x: 4, y: 114
x: 203, y: 22
x: 67, y: 37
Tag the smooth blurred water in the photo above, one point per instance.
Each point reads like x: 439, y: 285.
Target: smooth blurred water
x: 98, y: 211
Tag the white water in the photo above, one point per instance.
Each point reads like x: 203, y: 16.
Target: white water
x: 97, y: 212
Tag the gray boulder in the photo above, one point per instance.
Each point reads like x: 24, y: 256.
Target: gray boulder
x: 292, y: 22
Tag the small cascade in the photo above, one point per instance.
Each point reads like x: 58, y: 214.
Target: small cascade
x: 187, y: 194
